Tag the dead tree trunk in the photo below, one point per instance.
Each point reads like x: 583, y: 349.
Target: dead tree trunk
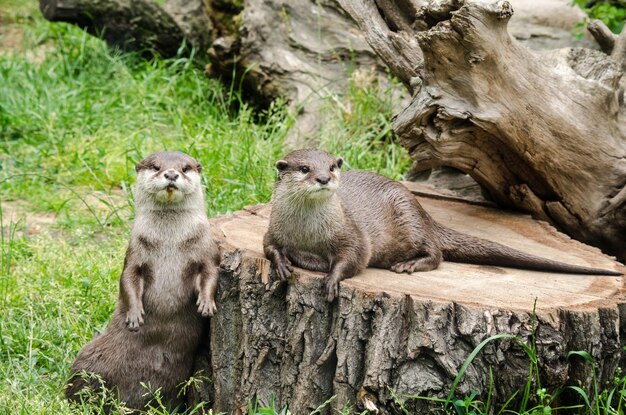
x: 407, y: 334
x: 540, y: 132
x: 303, y: 51
x: 131, y: 25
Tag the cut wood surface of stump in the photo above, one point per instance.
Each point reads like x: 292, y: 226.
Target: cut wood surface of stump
x: 407, y: 334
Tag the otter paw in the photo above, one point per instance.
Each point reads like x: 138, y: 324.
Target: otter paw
x: 414, y: 265
x: 134, y: 319
x: 331, y: 285
x: 400, y: 267
x: 206, y: 307
x: 284, y: 268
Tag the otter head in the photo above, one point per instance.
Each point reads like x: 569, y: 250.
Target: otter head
x: 167, y: 178
x: 309, y: 174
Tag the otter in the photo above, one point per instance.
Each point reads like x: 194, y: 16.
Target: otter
x: 326, y: 221
x: 166, y: 290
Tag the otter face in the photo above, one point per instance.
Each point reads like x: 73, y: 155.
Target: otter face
x: 310, y: 174
x: 168, y: 177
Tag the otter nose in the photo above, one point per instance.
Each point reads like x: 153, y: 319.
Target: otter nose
x: 323, y: 179
x: 171, y: 175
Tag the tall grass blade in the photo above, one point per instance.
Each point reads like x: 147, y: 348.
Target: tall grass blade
x: 471, y: 358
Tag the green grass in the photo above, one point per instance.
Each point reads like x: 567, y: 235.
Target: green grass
x: 83, y: 117
x: 74, y: 119
x: 17, y: 10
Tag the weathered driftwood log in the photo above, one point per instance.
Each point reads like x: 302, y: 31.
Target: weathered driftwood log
x: 407, y: 334
x: 303, y: 51
x: 133, y: 25
x: 191, y: 16
x: 542, y: 132
x: 612, y: 44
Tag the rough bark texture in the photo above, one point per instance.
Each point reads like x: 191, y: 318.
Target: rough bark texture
x: 193, y: 20
x: 611, y: 44
x: 407, y: 334
x: 542, y: 132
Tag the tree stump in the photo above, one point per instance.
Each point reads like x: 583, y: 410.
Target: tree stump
x: 407, y: 334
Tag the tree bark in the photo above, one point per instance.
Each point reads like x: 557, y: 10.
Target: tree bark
x: 192, y: 18
x: 407, y: 334
x: 540, y: 132
x: 611, y: 44
x: 548, y: 24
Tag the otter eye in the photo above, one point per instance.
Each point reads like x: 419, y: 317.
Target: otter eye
x: 333, y: 167
x: 186, y: 169
x: 155, y: 167
x: 304, y: 169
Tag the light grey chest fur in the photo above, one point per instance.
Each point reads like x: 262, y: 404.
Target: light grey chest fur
x: 171, y: 246
x: 309, y: 229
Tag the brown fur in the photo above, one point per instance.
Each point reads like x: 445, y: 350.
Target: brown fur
x: 326, y: 221
x: 167, y: 286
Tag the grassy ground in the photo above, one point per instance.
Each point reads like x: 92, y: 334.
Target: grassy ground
x: 74, y: 119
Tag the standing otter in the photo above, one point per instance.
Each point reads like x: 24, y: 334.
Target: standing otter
x: 170, y: 265
x: 321, y: 223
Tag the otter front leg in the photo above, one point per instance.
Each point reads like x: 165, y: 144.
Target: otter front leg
x: 340, y: 270
x: 131, y: 292
x: 206, y: 286
x: 278, y: 257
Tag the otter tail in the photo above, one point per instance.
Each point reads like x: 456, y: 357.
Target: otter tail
x: 459, y: 247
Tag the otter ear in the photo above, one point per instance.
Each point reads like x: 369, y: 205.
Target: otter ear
x: 281, y: 165
x: 199, y: 168
x: 140, y: 165
x: 339, y: 162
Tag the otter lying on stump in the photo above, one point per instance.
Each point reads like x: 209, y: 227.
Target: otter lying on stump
x: 341, y: 224
x: 167, y: 286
